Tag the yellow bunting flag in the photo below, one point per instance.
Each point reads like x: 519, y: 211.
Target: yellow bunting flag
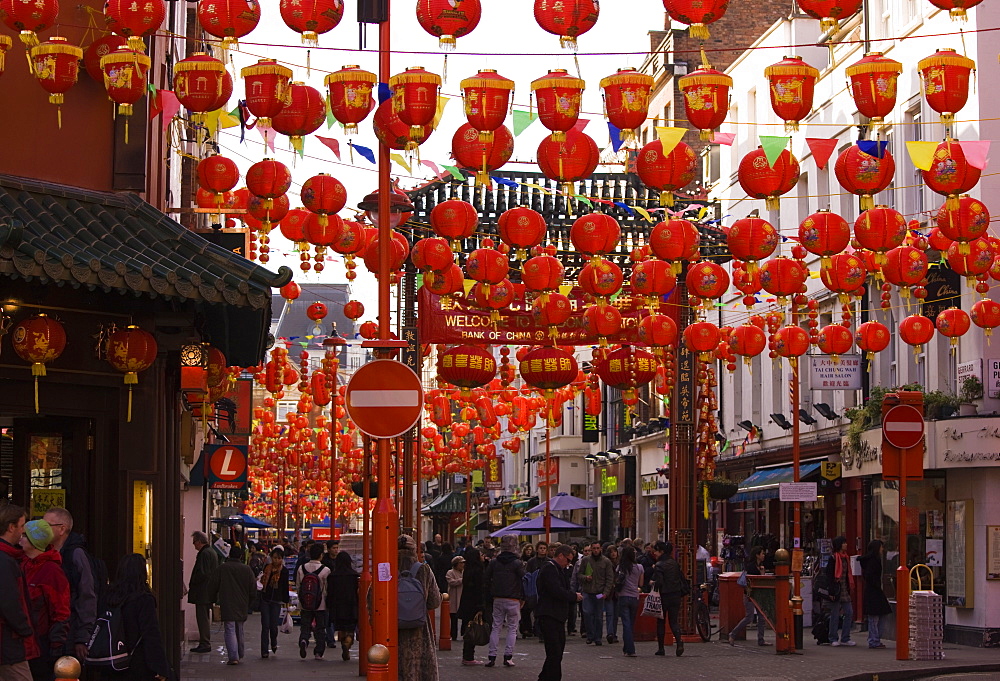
x: 644, y: 213
x: 565, y: 290
x: 398, y: 158
x: 536, y: 186
x: 467, y: 284
x: 227, y: 120
x: 442, y: 103
x: 669, y: 137
x: 922, y: 153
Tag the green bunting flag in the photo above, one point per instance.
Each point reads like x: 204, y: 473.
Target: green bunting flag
x: 773, y: 146
x: 455, y: 172
x: 522, y: 119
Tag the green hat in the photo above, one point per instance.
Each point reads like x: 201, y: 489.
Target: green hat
x: 39, y: 533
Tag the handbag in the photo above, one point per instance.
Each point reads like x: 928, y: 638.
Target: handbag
x: 653, y: 607
x: 477, y: 631
x: 742, y: 580
x: 286, y: 623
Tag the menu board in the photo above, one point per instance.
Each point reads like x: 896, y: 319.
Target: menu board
x: 958, y: 544
x: 993, y: 552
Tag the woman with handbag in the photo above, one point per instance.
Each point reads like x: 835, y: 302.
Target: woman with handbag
x: 876, y: 605
x: 754, y: 567
x: 472, y: 606
x: 273, y: 590
x: 838, y: 574
x: 669, y: 583
x: 628, y: 581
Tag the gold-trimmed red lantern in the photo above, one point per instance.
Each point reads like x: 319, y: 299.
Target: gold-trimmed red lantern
x: 873, y: 85
x: 552, y: 310
x: 398, y: 252
x: 595, y: 235
x: 432, y: 254
x: 782, y: 277
x: 568, y: 161
x: 954, y: 323
x: 950, y: 173
x: 652, y: 279
x: 324, y: 195
x: 135, y: 20
x: 487, y: 266
x: 5, y: 44
x: 600, y: 278
x: 747, y: 283
x: 956, y: 8
x: 863, y: 174
x: 977, y: 261
x: 28, y: 18
x: 558, y: 96
x: 675, y: 241
x: 467, y: 366
x: 829, y: 11
x: 626, y: 101
x: 394, y: 133
x: 548, y: 368
x: 218, y: 175
x: 131, y: 350
x: 986, y: 315
x: 448, y: 284
x: 447, y: 20
x: 845, y: 275
x: 38, y: 340
x: 747, y: 341
x: 322, y: 231
x: 354, y: 310
x: 304, y: 112
x: 568, y: 19
x: 916, y: 330
x: 293, y: 226
x: 602, y: 321
x: 761, y: 180
x: 521, y: 228
x: 666, y: 173
x: 100, y: 47
x: 945, y: 75
x: 880, y: 229
x: 697, y: 14
x: 415, y: 99
x: 905, y: 266
x: 702, y: 338
x: 125, y: 72
x: 55, y: 64
x: 454, y: 220
x: 268, y: 179
x: 707, y: 280
x: 311, y: 18
x: 542, y: 273
x: 790, y: 342
x: 267, y: 211
x: 471, y: 152
x: 752, y: 239
x: 351, y: 97
x: 824, y: 234
x: 202, y: 84
x: 627, y: 369
x: 872, y: 337
x: 706, y: 98
x: 229, y: 20
x: 969, y: 221
x: 493, y: 297
x: 835, y: 340
x: 657, y: 331
x: 792, y: 84
x: 487, y: 98
x: 266, y: 85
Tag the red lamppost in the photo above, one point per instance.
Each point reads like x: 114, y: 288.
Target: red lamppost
x: 333, y: 343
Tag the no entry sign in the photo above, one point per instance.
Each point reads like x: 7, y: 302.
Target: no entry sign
x: 384, y: 398
x: 227, y: 466
x: 903, y: 426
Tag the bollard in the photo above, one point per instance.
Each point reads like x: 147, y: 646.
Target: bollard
x: 444, y: 641
x: 378, y: 663
x: 67, y: 667
x: 783, y: 642
x: 902, y: 613
x: 798, y: 613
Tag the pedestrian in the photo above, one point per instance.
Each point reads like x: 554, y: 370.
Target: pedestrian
x: 874, y: 603
x: 130, y: 591
x: 273, y: 582
x: 754, y: 566
x: 330, y: 555
x: 610, y: 608
x: 536, y: 556
x: 417, y: 647
x: 312, y: 582
x: 342, y: 603
x: 84, y: 585
x: 48, y: 596
x: 440, y: 564
x: 838, y: 573
x: 574, y: 584
x: 199, y: 593
x: 668, y: 580
x: 573, y: 607
x: 504, y: 583
x: 554, y: 599
x: 455, y: 577
x: 17, y: 642
x: 628, y: 581
x: 233, y: 587
x: 473, y: 601
x: 597, y: 581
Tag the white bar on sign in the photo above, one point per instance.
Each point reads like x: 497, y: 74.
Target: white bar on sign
x: 385, y: 398
x: 904, y: 427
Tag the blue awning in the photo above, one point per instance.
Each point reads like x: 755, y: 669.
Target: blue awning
x: 764, y: 483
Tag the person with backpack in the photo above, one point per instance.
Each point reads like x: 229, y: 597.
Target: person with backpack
x: 87, y: 578
x: 554, y: 599
x: 874, y: 603
x: 233, y: 587
x: 669, y: 581
x: 311, y: 580
x: 205, y: 565
x: 17, y: 644
x: 538, y: 557
x: 841, y: 585
x: 504, y: 583
x: 273, y: 594
x: 417, y: 648
x: 342, y: 605
x: 472, y: 601
x: 628, y: 581
x: 48, y: 594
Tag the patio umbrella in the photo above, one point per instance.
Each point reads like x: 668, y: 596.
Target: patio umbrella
x: 537, y: 526
x: 563, y: 502
x: 248, y: 522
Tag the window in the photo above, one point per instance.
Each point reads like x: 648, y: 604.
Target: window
x: 915, y: 204
x: 710, y: 160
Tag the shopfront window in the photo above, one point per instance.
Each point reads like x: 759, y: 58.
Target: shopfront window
x: 924, y: 528
x: 46, y: 465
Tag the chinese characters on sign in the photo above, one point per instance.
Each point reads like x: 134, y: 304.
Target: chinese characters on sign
x: 591, y: 427
x: 685, y: 387
x: 844, y: 373
x: 494, y: 473
x: 548, y: 477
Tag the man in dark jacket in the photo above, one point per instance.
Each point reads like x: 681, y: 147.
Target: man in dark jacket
x: 503, y: 582
x: 554, y: 599
x: 83, y: 583
x: 48, y: 593
x: 199, y: 595
x: 596, y: 577
x: 17, y: 643
x: 233, y: 586
x: 671, y: 584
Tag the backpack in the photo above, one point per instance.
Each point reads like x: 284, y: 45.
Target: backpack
x: 529, y: 586
x: 411, y: 601
x: 98, y: 568
x: 619, y: 579
x: 107, y: 648
x: 310, y: 590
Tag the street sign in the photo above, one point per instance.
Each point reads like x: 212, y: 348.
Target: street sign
x: 227, y: 466
x: 830, y: 470
x: 903, y: 426
x: 797, y: 491
x: 384, y: 398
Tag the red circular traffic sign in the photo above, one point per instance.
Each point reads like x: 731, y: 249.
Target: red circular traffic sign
x: 228, y: 463
x: 384, y: 398
x: 903, y: 426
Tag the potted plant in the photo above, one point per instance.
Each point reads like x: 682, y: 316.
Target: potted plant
x: 722, y: 489
x: 971, y: 390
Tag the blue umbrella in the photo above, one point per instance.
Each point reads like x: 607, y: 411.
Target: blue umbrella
x: 537, y: 526
x: 243, y: 519
x: 563, y: 502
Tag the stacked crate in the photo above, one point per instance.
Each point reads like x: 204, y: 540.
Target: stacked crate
x: 926, y: 626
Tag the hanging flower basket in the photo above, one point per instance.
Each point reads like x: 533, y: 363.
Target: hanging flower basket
x: 721, y: 489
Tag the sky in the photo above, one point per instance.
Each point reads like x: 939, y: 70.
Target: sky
x: 507, y: 28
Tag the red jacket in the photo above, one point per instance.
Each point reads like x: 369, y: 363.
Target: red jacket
x: 17, y: 642
x: 48, y: 593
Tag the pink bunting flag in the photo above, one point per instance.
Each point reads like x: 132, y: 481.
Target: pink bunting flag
x: 170, y: 105
x: 332, y: 144
x: 268, y: 134
x: 821, y: 150
x: 433, y: 166
x: 977, y: 153
x: 581, y: 123
x: 726, y: 138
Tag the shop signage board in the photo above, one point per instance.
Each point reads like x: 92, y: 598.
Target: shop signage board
x: 494, y: 473
x: 549, y: 477
x: 227, y: 466
x: 842, y: 373
x: 993, y: 380
x: 609, y: 480
x: 591, y: 427
x: 384, y: 398
x: 655, y: 484
x: 44, y: 499
x: 797, y: 491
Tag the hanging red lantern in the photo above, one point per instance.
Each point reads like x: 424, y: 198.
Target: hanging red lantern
x: 471, y: 152
x: 135, y: 20
x: 603, y: 321
x: 303, y: 114
x: 323, y: 195
x: 291, y: 291
x: 267, y: 211
x: 956, y: 8
x: 658, y: 331
x: 905, y: 266
x: 432, y: 254
x: 568, y: 19
x: 964, y: 223
x: 317, y: 311
x: 706, y: 98
x: 487, y: 266
x: 945, y: 75
x: 824, y: 234
x: 311, y: 18
x: 228, y: 19
x: 626, y: 101
x: 399, y: 251
x: 652, y: 279
x: 351, y: 95
x: 954, y: 323
x: 38, y: 340
x: 697, y: 14
x: 415, y: 99
x: 601, y: 278
x: 448, y: 284
x: 321, y: 231
x: 752, y: 239
x: 493, y: 297
x: 761, y: 180
x: 747, y: 341
x: 393, y: 132
x: 835, y: 340
x: 986, y: 315
x: 702, y: 338
x: 454, y: 220
x: 863, y: 174
x: 548, y: 368
x: 217, y: 174
x: 487, y: 100
x: 27, y: 18
x: 916, y: 330
x: 595, y: 234
x: 552, y: 310
x: 131, y: 350
x: 872, y: 337
x: 791, y: 342
x: 975, y: 262
x: 666, y: 173
x: 707, y: 280
x: 266, y: 86
x: 56, y: 65
x: 354, y: 310
x: 293, y: 225
x: 675, y: 241
x: 202, y: 83
x: 268, y: 179
x: 466, y: 366
x: 829, y: 11
x: 951, y: 173
x: 873, y: 85
x: 792, y: 84
x: 846, y: 273
x: 100, y: 47
x: 627, y: 369
x: 558, y: 96
x: 542, y: 273
x: 125, y: 79
x: 447, y: 20
x: 569, y: 161
x: 782, y: 277
x: 748, y: 283
x: 521, y: 228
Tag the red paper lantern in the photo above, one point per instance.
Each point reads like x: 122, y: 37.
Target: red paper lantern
x: 399, y: 250
x: 415, y: 99
x: 311, y: 18
x: 697, y: 14
x: 863, y: 174
x: 471, y: 152
x: 975, y: 262
x: 351, y: 95
x: 658, y: 331
x: 873, y: 85
x: 791, y: 342
x: 293, y: 225
x: 963, y: 224
x: 761, y: 180
x: 354, y: 310
x: 782, y: 277
x: 880, y: 229
x: 627, y: 369
x: 752, y: 239
x: 432, y: 254
x: 905, y: 266
x: 454, y: 220
x: 652, y: 279
x: 792, y: 84
x: 595, y: 234
x: 258, y: 210
x: 626, y: 101
x: 824, y: 234
x: 829, y: 11
x: 467, y: 366
x: 302, y: 115
x: 666, y: 173
x: 291, y: 291
x: 846, y: 273
x: 29, y: 17
x: 218, y: 175
x: 487, y: 101
x: 916, y: 330
x: 38, y: 340
x: 872, y: 337
x: 393, y: 132
x: 125, y: 79
x: 707, y: 280
x: 101, y: 47
x: 601, y: 278
x: 552, y: 310
x: 323, y: 195
x: 945, y: 76
x: 493, y: 297
x: 950, y: 173
x: 558, y: 97
x: 447, y: 20
x: 542, y: 273
x: 701, y: 337
x: 201, y: 83
x: 268, y: 179
x: 448, y: 284
x: 568, y: 19
x: 266, y: 85
x: 986, y: 315
x: 954, y: 323
x: 548, y: 369
x: 675, y: 241
x: 567, y: 162
x: 131, y: 350
x: 521, y: 228
x: 835, y: 340
x: 316, y: 312
x: 956, y: 8
x: 135, y: 20
x: 748, y: 283
x: 706, y: 98
x: 322, y: 231
x: 56, y: 65
x: 747, y: 341
x: 602, y: 321
x: 229, y: 19
x: 487, y: 266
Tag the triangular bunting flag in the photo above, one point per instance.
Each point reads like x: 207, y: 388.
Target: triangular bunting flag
x: 442, y: 103
x: 155, y: 103
x: 364, y: 151
x: 522, y: 119
x: 399, y: 160
x: 433, y: 166
x: 229, y: 120
x: 726, y: 138
x: 539, y: 187
x: 330, y: 120
x: 822, y: 150
x: 384, y: 92
x: 171, y: 105
x: 504, y: 181
x: 581, y: 124
x: 455, y: 172
x: 615, y: 134
x: 669, y: 137
x: 644, y: 213
x: 922, y: 153
x: 268, y: 134
x: 873, y: 147
x: 773, y: 146
x: 583, y: 199
x: 332, y: 144
x: 977, y: 153
x: 625, y: 207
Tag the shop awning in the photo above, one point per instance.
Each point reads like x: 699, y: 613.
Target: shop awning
x: 446, y: 504
x: 473, y: 520
x: 524, y: 504
x: 764, y: 483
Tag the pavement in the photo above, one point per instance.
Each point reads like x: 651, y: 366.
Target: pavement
x: 715, y: 661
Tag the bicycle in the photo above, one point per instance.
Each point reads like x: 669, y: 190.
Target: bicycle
x: 701, y: 597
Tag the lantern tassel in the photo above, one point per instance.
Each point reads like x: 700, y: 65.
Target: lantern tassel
x: 952, y: 203
x: 772, y: 202
x: 128, y: 418
x: 447, y: 43
x: 706, y: 135
x: 699, y: 31
x: 667, y: 199
x: 791, y: 126
x: 867, y: 202
x: 827, y: 24
x: 567, y: 42
x: 36, y: 394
